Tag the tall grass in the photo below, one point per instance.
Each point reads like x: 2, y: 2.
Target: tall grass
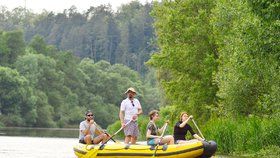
x: 250, y: 135
x: 243, y: 135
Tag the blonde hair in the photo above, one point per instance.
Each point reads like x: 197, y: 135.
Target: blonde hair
x: 152, y: 114
x: 181, y: 115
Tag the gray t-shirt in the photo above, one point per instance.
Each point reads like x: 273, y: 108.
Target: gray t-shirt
x: 85, y: 125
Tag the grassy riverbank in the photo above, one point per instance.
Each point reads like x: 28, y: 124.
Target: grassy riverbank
x: 252, y: 136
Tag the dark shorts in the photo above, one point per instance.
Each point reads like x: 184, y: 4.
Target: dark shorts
x: 151, y: 142
x: 131, y: 129
x: 82, y: 141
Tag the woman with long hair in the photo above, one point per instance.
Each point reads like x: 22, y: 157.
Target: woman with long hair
x: 181, y: 129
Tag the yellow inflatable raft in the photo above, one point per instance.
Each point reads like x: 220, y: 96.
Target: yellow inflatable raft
x: 119, y: 150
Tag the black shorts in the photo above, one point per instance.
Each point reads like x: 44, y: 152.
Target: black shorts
x: 83, y: 141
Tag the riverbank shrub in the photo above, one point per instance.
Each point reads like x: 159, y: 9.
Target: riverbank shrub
x: 243, y: 135
x: 251, y: 136
x: 271, y: 151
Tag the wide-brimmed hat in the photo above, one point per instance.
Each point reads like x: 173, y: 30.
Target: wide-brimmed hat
x: 130, y: 89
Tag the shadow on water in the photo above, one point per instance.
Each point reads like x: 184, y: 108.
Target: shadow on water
x: 40, y: 132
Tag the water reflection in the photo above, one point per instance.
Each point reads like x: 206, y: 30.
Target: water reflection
x: 40, y: 132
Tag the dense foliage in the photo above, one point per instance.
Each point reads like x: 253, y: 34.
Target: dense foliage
x: 43, y: 87
x: 246, y: 135
x: 188, y: 56
x: 99, y: 33
x: 220, y: 59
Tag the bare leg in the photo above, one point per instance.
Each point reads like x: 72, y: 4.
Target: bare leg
x: 194, y: 140
x: 133, y: 139
x: 188, y: 141
x: 87, y: 139
x: 168, y: 139
x: 101, y: 137
x: 127, y: 139
x: 182, y: 142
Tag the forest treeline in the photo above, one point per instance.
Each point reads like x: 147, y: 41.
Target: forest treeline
x: 41, y: 86
x: 125, y: 36
x: 65, y: 63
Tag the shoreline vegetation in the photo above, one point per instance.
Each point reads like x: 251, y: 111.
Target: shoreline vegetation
x: 249, y: 137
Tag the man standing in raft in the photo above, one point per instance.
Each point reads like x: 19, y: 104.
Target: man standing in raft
x: 129, y: 111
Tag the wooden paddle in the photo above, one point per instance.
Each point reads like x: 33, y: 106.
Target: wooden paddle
x: 160, y: 139
x: 197, y: 128
x: 93, y: 154
x: 104, y: 131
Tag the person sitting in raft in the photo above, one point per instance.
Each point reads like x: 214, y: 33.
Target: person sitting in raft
x: 182, y: 127
x: 152, y: 135
x: 88, y: 132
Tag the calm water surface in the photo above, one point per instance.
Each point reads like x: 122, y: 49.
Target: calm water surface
x: 36, y: 147
x: 41, y: 143
x: 37, y: 142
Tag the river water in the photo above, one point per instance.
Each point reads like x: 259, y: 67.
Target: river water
x: 41, y: 143
x: 36, y: 147
x: 37, y: 143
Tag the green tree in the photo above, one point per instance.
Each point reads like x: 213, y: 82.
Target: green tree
x: 44, y: 110
x: 12, y: 46
x: 42, y: 73
x: 248, y: 75
x: 187, y: 57
x: 39, y: 45
x: 3, y: 50
x: 17, y: 101
x: 135, y: 25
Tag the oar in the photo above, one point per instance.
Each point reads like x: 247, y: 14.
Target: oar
x: 160, y: 139
x: 101, y: 146
x: 197, y: 128
x: 100, y: 129
x: 114, y: 134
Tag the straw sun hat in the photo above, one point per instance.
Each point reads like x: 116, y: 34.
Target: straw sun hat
x: 130, y: 89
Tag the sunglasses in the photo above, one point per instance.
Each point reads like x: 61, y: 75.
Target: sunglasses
x: 89, y: 115
x: 132, y: 103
